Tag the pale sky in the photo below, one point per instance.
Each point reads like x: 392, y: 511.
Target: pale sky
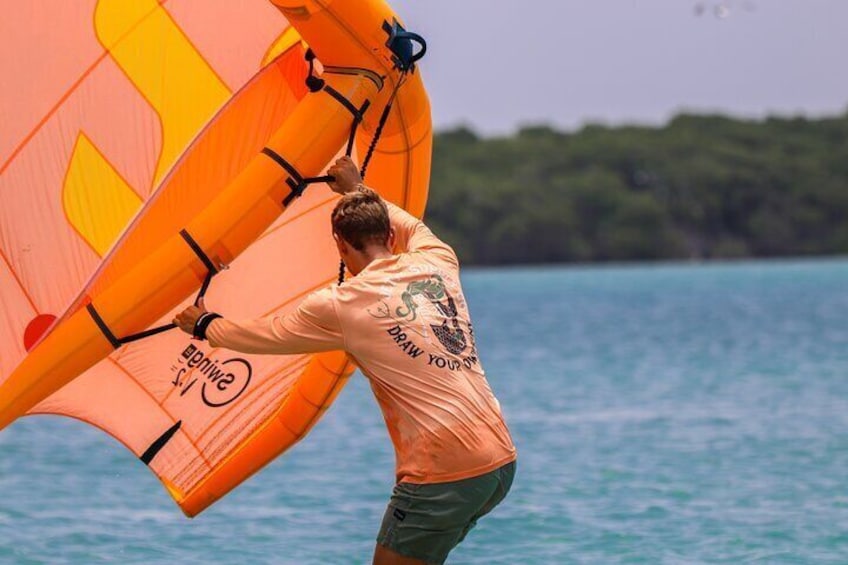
x: 497, y: 65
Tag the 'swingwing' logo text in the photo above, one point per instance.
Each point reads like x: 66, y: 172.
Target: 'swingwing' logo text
x: 220, y: 381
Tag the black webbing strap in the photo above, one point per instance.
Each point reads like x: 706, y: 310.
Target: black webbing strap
x: 199, y: 252
x: 160, y: 442
x: 371, y: 147
x: 293, y: 173
x: 357, y: 119
x: 211, y: 269
x: 357, y: 113
x: 296, y: 181
x: 315, y: 84
x: 204, y: 287
x: 340, y: 98
x: 117, y: 342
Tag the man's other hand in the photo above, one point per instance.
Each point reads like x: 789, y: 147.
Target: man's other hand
x: 186, y: 319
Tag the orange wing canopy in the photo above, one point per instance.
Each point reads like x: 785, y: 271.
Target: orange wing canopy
x: 154, y: 146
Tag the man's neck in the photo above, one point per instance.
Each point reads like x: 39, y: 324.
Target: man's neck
x: 373, y: 253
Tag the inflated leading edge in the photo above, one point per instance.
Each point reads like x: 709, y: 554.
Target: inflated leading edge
x: 362, y: 74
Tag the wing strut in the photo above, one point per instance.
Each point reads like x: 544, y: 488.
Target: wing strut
x: 400, y: 42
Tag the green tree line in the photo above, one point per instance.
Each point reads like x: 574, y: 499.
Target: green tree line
x: 701, y: 187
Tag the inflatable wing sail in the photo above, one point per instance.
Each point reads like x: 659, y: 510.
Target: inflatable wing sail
x: 157, y: 149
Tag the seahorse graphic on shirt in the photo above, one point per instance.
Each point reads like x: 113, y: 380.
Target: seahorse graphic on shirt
x: 433, y: 289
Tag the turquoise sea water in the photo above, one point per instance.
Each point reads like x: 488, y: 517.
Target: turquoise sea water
x: 663, y: 414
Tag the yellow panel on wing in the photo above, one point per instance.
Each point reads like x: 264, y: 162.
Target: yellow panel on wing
x: 97, y: 201
x: 160, y: 61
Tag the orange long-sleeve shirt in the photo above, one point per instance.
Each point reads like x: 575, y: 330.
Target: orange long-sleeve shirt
x: 405, y: 322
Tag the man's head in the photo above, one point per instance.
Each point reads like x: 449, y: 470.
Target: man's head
x: 361, y: 228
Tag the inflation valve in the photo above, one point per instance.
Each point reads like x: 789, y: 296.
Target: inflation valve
x: 401, y: 44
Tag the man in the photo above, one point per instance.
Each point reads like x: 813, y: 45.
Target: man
x: 403, y: 319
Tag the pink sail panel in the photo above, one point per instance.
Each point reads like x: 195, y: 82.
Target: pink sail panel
x: 92, y: 128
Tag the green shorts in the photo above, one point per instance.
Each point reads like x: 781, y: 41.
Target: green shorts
x: 427, y: 521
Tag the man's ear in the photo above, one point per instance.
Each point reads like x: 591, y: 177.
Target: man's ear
x: 390, y: 242
x: 341, y: 244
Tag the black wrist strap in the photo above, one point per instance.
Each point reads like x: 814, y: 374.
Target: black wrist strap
x: 202, y: 324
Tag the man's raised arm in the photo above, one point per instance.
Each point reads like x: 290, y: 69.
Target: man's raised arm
x: 411, y: 234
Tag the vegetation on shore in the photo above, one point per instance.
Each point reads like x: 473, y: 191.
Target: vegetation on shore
x: 701, y: 187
